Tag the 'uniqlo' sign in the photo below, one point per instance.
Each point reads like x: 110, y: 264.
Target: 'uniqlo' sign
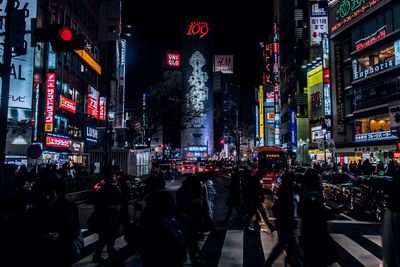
x: 173, y: 60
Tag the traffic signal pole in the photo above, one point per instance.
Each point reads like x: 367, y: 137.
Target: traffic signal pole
x: 5, y: 91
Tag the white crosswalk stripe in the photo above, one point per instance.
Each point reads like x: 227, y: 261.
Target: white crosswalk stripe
x: 232, y: 251
x: 268, y: 241
x: 358, y: 252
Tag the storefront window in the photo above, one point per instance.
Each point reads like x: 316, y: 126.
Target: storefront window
x: 375, y: 62
x: 372, y: 129
x: 60, y: 124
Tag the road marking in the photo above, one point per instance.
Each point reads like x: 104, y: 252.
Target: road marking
x: 90, y: 239
x: 268, y: 241
x: 201, y: 242
x: 87, y: 261
x: 353, y: 222
x: 134, y: 260
x: 232, y: 251
x: 377, y: 239
x: 348, y: 217
x: 357, y: 251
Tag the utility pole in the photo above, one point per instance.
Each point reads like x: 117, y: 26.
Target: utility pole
x: 5, y: 91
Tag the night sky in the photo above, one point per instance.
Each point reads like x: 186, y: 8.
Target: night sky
x: 234, y: 33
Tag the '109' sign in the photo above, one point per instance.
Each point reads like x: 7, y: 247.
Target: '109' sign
x: 198, y: 28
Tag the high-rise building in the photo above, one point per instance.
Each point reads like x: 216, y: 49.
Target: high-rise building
x: 197, y: 138
x: 365, y: 62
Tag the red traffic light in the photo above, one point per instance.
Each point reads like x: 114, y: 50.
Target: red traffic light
x: 65, y: 34
x: 222, y: 141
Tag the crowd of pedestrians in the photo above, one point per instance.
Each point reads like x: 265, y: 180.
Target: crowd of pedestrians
x: 170, y: 225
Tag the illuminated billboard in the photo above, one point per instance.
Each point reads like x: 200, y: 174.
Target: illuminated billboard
x: 50, y: 94
x: 315, y: 92
x: 58, y: 141
x: 223, y: 63
x: 102, y: 109
x: 173, y: 59
x: 318, y: 22
x: 93, y: 103
x: 67, y: 104
x: 197, y: 29
x: 261, y: 110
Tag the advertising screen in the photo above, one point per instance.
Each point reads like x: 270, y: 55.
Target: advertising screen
x: 58, y: 141
x: 223, y: 63
x: 67, y: 104
x: 50, y: 94
x: 93, y: 103
x: 315, y: 92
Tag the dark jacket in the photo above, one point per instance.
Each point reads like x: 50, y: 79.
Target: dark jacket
x: 318, y: 247
x: 284, y: 210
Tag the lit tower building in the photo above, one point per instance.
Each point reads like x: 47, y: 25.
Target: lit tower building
x: 197, y: 138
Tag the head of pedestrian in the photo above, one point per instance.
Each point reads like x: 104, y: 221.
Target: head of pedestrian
x: 288, y: 180
x: 312, y: 180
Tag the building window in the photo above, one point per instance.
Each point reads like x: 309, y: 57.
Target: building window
x: 396, y: 10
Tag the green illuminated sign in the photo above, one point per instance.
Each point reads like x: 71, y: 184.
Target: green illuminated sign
x: 346, y: 7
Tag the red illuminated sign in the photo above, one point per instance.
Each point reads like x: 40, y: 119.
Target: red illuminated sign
x: 67, y: 104
x: 379, y: 34
x: 198, y: 28
x: 361, y: 10
x: 102, y: 110
x: 173, y: 60
x: 57, y: 141
x: 327, y: 80
x: 50, y: 94
x: 93, y: 103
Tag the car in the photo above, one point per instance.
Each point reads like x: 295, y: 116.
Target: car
x: 370, y: 195
x: 188, y: 167
x: 201, y: 166
x: 212, y: 167
x: 336, y: 185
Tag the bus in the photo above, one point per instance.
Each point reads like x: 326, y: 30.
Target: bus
x: 271, y: 161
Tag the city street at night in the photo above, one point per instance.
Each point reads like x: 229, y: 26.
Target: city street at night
x: 261, y: 134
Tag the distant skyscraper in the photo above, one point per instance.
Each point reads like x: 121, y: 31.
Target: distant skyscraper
x: 197, y: 139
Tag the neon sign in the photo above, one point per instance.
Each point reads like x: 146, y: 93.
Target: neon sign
x: 351, y: 9
x: 67, y: 104
x: 346, y: 7
x: 379, y: 34
x: 58, y: 141
x: 198, y: 28
x: 49, y: 115
x: 173, y: 60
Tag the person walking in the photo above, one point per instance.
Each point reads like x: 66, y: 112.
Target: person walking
x: 319, y: 249
x: 285, y: 212
x: 105, y: 219
x: 391, y: 226
x: 234, y: 200
x: 190, y: 205
x: 254, y: 195
x: 55, y: 223
x: 162, y: 236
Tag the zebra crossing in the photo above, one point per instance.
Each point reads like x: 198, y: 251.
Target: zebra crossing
x: 237, y: 248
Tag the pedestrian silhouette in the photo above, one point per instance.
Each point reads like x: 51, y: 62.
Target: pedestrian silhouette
x: 391, y: 226
x: 285, y: 212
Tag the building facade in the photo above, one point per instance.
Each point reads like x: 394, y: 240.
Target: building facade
x: 365, y: 61
x: 197, y: 138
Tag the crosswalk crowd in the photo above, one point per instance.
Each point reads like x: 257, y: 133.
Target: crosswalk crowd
x: 172, y: 227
